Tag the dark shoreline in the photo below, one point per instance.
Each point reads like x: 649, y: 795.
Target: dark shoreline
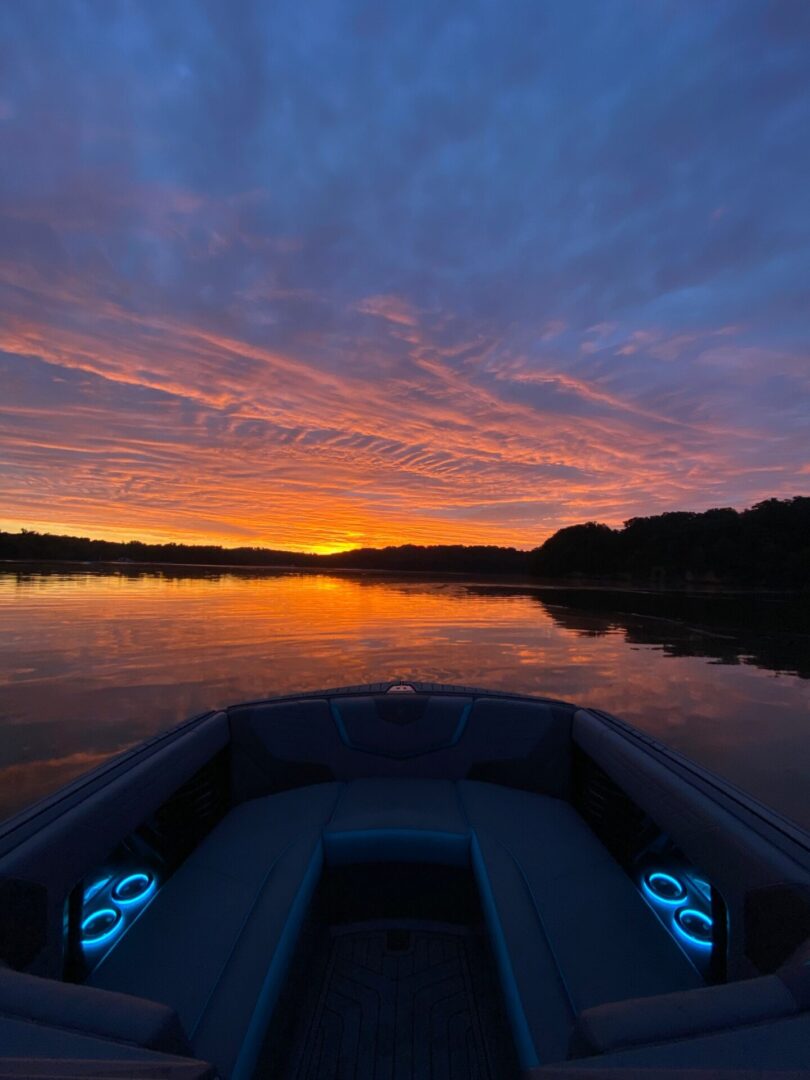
x: 764, y: 549
x: 493, y: 580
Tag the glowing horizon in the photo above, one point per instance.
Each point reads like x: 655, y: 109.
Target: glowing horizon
x: 397, y: 276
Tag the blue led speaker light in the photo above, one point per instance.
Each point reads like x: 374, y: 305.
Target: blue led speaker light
x: 663, y: 888
x: 134, y: 888
x: 695, y: 926
x: 95, y: 888
x: 702, y: 886
x: 101, y: 926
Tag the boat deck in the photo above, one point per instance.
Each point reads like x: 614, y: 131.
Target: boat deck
x: 401, y: 999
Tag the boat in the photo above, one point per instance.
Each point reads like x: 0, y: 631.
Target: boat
x: 403, y: 880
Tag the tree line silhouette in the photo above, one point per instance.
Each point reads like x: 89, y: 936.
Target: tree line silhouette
x: 768, y: 544
x: 29, y: 545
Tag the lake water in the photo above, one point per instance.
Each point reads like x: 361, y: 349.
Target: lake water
x: 93, y: 661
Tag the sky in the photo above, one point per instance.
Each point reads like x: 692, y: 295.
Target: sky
x: 333, y: 274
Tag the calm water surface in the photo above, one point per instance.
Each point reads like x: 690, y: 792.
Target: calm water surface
x: 92, y: 662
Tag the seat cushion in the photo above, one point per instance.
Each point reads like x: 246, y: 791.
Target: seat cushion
x: 570, y: 929
x: 682, y: 1015
x: 408, y: 820
x: 401, y: 726
x: 33, y: 1041
x: 216, y: 941
x: 758, y: 1050
x: 87, y: 1010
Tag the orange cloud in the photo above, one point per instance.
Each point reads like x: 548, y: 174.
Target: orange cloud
x: 126, y: 422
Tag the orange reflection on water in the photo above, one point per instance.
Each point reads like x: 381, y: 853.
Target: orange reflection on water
x: 93, y: 662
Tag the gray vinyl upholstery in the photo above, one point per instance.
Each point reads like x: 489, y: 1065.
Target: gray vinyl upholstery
x: 569, y: 929
x: 50, y: 1028
x: 85, y: 1010
x: 572, y: 927
x: 773, y: 1045
x: 20, y: 1038
x: 216, y: 942
x: 398, y: 820
x: 667, y: 1017
x: 277, y: 745
x: 43, y: 1018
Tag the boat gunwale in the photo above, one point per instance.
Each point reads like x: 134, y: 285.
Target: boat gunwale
x: 779, y: 830
x: 726, y: 794
x: 95, y: 779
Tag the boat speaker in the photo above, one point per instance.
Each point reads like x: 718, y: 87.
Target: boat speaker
x: 696, y: 926
x: 665, y: 888
x: 100, y: 926
x: 134, y: 888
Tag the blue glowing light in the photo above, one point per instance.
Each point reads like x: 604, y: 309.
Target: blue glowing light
x: 695, y: 926
x: 101, y: 926
x: 702, y: 886
x: 95, y: 888
x: 134, y: 888
x: 663, y: 888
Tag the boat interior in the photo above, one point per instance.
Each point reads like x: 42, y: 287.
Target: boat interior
x: 403, y: 880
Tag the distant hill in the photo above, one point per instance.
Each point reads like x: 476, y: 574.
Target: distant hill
x: 766, y: 545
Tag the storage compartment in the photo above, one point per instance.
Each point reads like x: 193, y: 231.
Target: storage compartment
x: 393, y: 974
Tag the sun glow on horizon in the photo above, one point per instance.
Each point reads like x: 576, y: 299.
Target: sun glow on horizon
x: 125, y: 535
x: 332, y: 549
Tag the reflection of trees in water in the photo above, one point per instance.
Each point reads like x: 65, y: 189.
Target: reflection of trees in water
x: 37, y: 571
x: 765, y: 631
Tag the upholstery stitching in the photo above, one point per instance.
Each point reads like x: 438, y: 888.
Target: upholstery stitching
x: 242, y: 1066
x: 344, y: 787
x: 461, y: 806
x: 239, y: 934
x: 575, y: 1011
x: 249, y: 913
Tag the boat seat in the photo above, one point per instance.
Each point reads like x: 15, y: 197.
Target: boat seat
x: 45, y: 1018
x: 568, y: 927
x: 758, y: 1050
x: 384, y: 820
x: 216, y: 941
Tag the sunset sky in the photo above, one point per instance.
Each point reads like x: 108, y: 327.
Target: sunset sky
x: 328, y: 274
